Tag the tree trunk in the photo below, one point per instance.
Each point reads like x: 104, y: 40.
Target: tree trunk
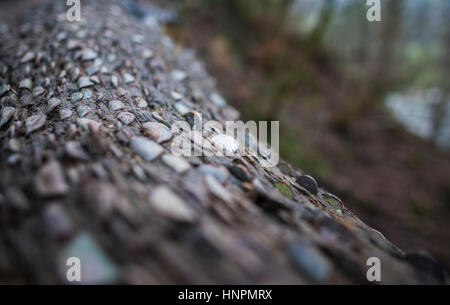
x: 380, y: 75
x: 440, y: 109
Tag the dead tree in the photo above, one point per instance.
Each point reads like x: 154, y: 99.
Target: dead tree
x: 86, y: 170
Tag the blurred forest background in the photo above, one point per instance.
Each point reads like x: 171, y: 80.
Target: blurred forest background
x: 363, y: 106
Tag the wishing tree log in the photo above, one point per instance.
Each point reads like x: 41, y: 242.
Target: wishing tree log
x: 87, y: 175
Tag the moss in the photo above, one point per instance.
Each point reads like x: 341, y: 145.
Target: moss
x: 332, y: 201
x: 284, y: 189
x: 420, y: 208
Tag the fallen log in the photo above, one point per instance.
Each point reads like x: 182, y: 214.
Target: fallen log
x: 88, y: 177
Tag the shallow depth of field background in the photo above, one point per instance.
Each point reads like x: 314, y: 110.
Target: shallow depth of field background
x: 363, y: 106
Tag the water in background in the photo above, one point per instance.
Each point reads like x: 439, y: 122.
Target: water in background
x: 414, y: 110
